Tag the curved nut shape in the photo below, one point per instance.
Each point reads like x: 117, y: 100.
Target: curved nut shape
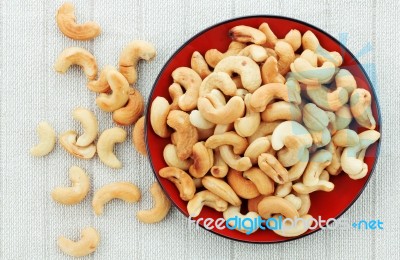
x: 183, y: 182
x: 297, y: 170
x: 205, y: 198
x: 263, y: 130
x: 132, y: 111
x: 292, y: 152
x: 243, y: 187
x: 326, y: 99
x: 271, y: 38
x: 247, y: 125
x: 286, y: 56
x: 68, y: 142
x: 270, y: 73
x: 282, y: 190
x: 334, y: 168
x: 190, y: 81
x: 273, y: 168
x: 175, y: 92
x: 314, y: 117
x: 264, y: 184
x: 213, y: 56
x: 158, y: 117
x: 47, y: 140
x: 77, y: 56
x: 332, y: 122
x: 310, y: 56
x: 320, y: 138
x: 281, y: 110
x: 105, y: 146
x: 89, y: 124
x: 238, y: 143
x: 247, y: 69
x: 171, y: 158
x: 197, y: 120
x: 272, y: 205
x: 203, y: 160
x: 255, y: 52
x: 320, y: 186
x: 318, y: 162
x: 77, y: 192
x: 257, y: 147
x: 293, y: 37
x: 138, y: 137
x: 186, y: 133
x: 87, y: 244
x: 268, y: 92
x: 199, y: 64
x: 288, y: 128
x: 220, y: 168
x: 120, y: 92
x: 221, y: 114
x: 343, y: 117
x: 66, y: 22
x: 130, y: 56
x: 346, y: 80
x: 101, y: 84
x: 360, y: 105
x: 345, y: 138
x: 218, y: 80
x: 233, y: 160
x: 243, y: 33
x: 125, y: 191
x: 161, y: 207
x: 221, y: 189
x: 234, y: 212
x: 305, y: 203
x: 296, y: 201
x: 288, y: 230
x: 305, y: 73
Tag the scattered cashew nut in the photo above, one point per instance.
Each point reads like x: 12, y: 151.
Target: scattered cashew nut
x: 161, y: 207
x: 105, y: 146
x: 47, y: 140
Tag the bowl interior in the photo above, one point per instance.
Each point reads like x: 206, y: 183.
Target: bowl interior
x: 324, y: 204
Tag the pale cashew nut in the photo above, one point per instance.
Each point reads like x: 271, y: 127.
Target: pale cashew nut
x: 89, y: 124
x: 101, y: 84
x: 346, y: 80
x: 318, y: 162
x: 281, y: 110
x: 257, y: 147
x: 125, y: 191
x: 287, y: 128
x: 87, y: 244
x: 241, y: 92
x: 292, y: 152
x: 218, y: 113
x: 245, y: 34
x: 282, y: 190
x: 271, y: 38
x: 199, y: 64
x: 132, y: 111
x: 272, y: 204
x: 138, y: 137
x: 285, y: 56
x: 197, y: 120
x: 255, y: 52
x: 68, y: 142
x: 247, y: 125
x: 105, y: 146
x: 159, y: 112
x: 343, y: 117
x: 293, y: 37
x: 327, y: 99
x: 171, y: 158
x: 273, y: 168
x: 305, y: 203
x: 130, y: 56
x: 263, y: 130
x: 234, y: 212
x: 264, y: 184
x: 77, y: 56
x: 203, y: 160
x: 268, y: 92
x: 228, y: 138
x: 310, y: 56
x: 320, y: 138
x: 270, y: 72
x: 47, y: 140
x: 205, y: 198
x: 77, y: 192
x: 345, y: 138
x: 220, y: 167
x: 322, y: 185
x: 213, y: 56
x: 305, y: 73
x: 243, y: 187
x: 335, y: 167
x: 288, y: 230
x: 221, y: 189
x: 218, y: 80
x: 190, y: 81
x: 297, y: 170
x: 314, y: 117
x: 175, y: 91
x: 233, y: 160
x: 161, y: 207
x: 183, y: 182
x: 296, y: 201
x: 360, y: 105
x: 66, y: 22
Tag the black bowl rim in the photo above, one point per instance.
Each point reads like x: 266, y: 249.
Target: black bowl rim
x: 283, y: 18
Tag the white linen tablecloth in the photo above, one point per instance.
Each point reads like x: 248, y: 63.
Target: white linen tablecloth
x: 31, y: 91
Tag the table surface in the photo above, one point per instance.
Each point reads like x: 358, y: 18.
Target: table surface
x: 32, y: 91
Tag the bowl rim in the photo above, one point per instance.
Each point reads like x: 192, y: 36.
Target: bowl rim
x: 342, y: 46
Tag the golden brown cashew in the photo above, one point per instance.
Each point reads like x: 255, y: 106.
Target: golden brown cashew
x: 199, y: 64
x: 89, y: 124
x: 221, y: 114
x: 288, y: 230
x: 360, y: 105
x: 233, y: 160
x: 243, y: 33
x: 286, y: 56
x: 161, y: 206
x: 271, y: 38
x: 213, y: 56
x: 345, y: 138
x: 346, y: 80
x: 186, y: 133
x: 218, y: 80
x: 254, y: 52
x: 264, y: 184
x: 305, y: 73
x: 327, y: 99
x: 125, y: 191
x: 190, y: 81
x: 281, y: 110
x: 47, y: 140
x: 77, y: 192
x: 130, y: 56
x: 105, y: 146
x: 203, y: 160
x: 334, y: 168
x: 205, y: 198
x: 297, y: 170
x: 270, y: 73
x: 158, y: 117
x: 66, y: 22
x: 268, y: 92
x: 243, y: 187
x: 272, y: 204
x: 197, y: 120
x: 68, y: 142
x: 257, y: 147
x: 132, y: 111
x: 220, y: 168
x: 292, y: 152
x: 318, y: 162
x: 138, y: 137
x: 234, y: 212
x: 101, y: 84
x: 320, y: 186
x: 77, y: 56
x: 282, y: 190
x: 293, y: 37
x: 314, y: 117
x: 228, y: 138
x: 343, y: 117
x: 87, y: 244
x: 247, y: 125
x: 171, y: 158
x: 247, y: 69
x: 263, y: 130
x: 183, y: 182
x: 175, y: 91
x: 273, y: 168
x: 287, y: 128
x: 221, y: 189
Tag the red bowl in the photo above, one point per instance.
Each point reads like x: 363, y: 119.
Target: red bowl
x: 324, y: 204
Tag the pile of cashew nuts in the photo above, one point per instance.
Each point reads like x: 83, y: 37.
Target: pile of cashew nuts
x: 127, y: 106
x: 266, y: 122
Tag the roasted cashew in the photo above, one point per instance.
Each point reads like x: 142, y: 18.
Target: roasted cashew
x: 68, y: 141
x: 345, y: 138
x: 171, y: 158
x: 247, y: 69
x: 243, y: 187
x: 132, y: 111
x: 296, y: 201
x: 213, y: 56
x: 47, y: 140
x: 218, y: 113
x: 360, y: 105
x: 318, y: 162
x: 292, y: 152
x: 285, y: 56
x: 199, y: 64
x: 297, y: 170
x: 270, y: 72
x: 125, y: 191
x: 175, y: 92
x: 105, y: 146
x: 89, y: 124
x: 263, y: 130
x: 264, y: 184
x: 255, y: 52
x: 288, y: 230
x: 183, y: 182
x: 305, y: 73
x: 77, y: 56
x: 161, y: 207
x: 77, y: 192
x: 197, y: 120
x: 343, y: 117
x: 281, y: 110
x: 310, y: 56
x: 66, y: 22
x: 218, y: 80
x: 203, y: 160
x: 233, y: 160
x: 314, y: 117
x: 272, y: 204
x: 234, y: 212
x: 220, y: 167
x: 101, y: 84
x: 257, y: 147
x: 130, y: 56
x: 245, y: 34
x: 138, y: 137
x: 158, y: 117
x: 320, y: 186
x: 346, y: 80
x: 284, y: 189
x: 87, y: 244
x: 290, y: 128
x: 190, y: 81
x: 205, y: 198
x: 186, y: 133
x: 228, y: 138
x: 221, y: 189
x: 268, y: 92
x: 334, y: 168
x: 326, y: 99
x: 273, y: 168
x: 247, y: 125
x: 293, y: 37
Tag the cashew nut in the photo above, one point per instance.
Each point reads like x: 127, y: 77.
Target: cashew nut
x: 288, y: 230
x: 281, y: 110
x: 101, y: 84
x: 218, y: 113
x: 218, y: 80
x: 322, y: 185
x: 287, y: 128
x: 220, y: 167
x: 247, y: 125
x: 234, y: 212
x: 158, y: 117
x: 203, y: 160
x: 89, y: 124
x: 197, y: 120
x: 293, y: 37
x: 47, y: 140
x: 268, y: 92
x: 345, y: 138
x: 292, y: 152
x: 320, y: 138
x: 310, y: 56
x: 272, y: 205
x: 360, y: 105
x: 252, y: 204
x: 171, y: 158
x: 255, y: 52
x: 175, y: 92
x: 87, y: 244
x: 161, y: 207
x: 296, y: 201
x: 66, y: 22
x: 343, y: 117
x: 138, y: 136
x: 243, y: 187
x: 132, y: 111
x: 305, y: 203
x: 131, y: 55
x: 183, y: 182
x: 264, y: 184
x: 213, y: 56
x: 273, y: 168
x: 285, y: 56
x: 305, y: 73
x: 205, y: 198
x: 68, y: 141
x: 105, y: 146
x: 326, y: 99
x: 335, y: 167
x: 257, y: 147
x: 318, y: 162
x: 297, y: 170
x: 125, y: 191
x: 77, y: 56
x: 263, y: 130
x: 190, y: 81
x: 270, y: 72
x: 282, y: 190
x: 221, y: 189
x: 233, y: 160
x: 314, y: 117
x: 199, y: 64
x: 346, y: 80
x: 77, y: 192
x: 245, y: 34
